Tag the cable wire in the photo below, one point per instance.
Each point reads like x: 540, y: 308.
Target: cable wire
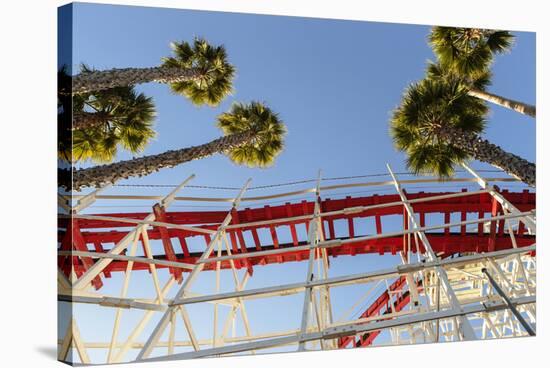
x: 278, y: 184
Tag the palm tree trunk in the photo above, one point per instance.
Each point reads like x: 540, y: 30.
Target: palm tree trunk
x: 104, y: 79
x: 86, y: 120
x: 483, y: 150
x: 103, y: 174
x: 517, y: 106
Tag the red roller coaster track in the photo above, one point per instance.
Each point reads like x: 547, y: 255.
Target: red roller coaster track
x: 81, y: 234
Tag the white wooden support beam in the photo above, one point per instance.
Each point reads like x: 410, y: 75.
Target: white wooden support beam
x: 239, y: 285
x: 76, y: 340
x: 335, y: 332
x: 230, y: 320
x: 529, y: 221
x: 64, y: 348
x: 152, y: 267
x: 365, y: 277
x: 62, y: 202
x: 100, y: 265
x: 313, y: 238
x: 62, y: 281
x: 530, y: 330
x: 141, y: 324
x: 88, y: 199
x: 217, y: 288
x: 123, y: 293
x: 467, y: 329
x: 188, y: 282
x: 172, y: 333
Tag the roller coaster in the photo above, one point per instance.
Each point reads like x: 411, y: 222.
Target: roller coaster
x: 454, y: 266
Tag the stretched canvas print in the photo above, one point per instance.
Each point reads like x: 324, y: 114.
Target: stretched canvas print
x: 237, y: 184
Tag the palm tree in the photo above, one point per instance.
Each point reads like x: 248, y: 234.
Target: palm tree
x: 468, y: 52
x: 438, y: 126
x: 253, y: 136
x: 199, y: 71
x: 106, y: 120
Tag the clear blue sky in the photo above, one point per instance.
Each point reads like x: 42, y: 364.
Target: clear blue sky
x: 334, y: 83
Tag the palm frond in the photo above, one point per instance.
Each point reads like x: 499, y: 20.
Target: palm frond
x: 434, y: 102
x: 500, y: 41
x: 128, y: 124
x: 267, y: 128
x: 468, y: 52
x: 217, y: 74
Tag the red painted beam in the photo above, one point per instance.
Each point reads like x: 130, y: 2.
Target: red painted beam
x: 106, y: 233
x: 374, y: 308
x: 74, y: 240
x: 454, y: 243
x: 380, y: 306
x: 160, y: 215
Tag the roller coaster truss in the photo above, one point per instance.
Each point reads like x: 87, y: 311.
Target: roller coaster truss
x: 452, y: 283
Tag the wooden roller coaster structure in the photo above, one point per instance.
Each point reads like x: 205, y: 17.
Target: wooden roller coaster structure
x: 465, y: 279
